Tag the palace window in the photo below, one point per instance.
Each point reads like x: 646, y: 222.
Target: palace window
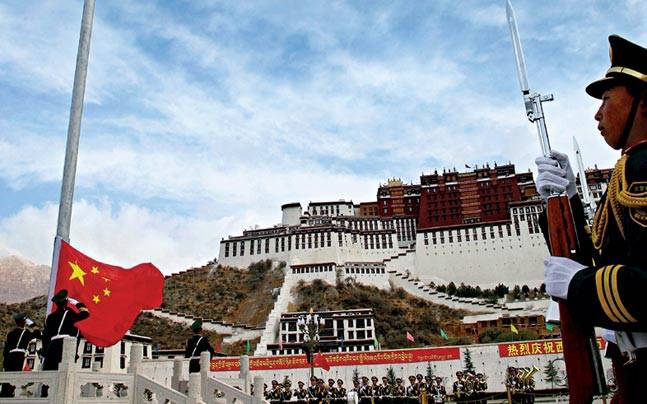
x: 251, y: 247
x: 242, y: 248
x: 233, y: 249
x: 226, y: 250
x: 328, y: 240
x: 258, y: 246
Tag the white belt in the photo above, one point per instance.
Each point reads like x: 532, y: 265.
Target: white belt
x: 59, y: 336
x: 195, y: 357
x: 18, y: 350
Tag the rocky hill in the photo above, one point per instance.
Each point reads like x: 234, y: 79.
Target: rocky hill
x: 396, y: 311
x: 222, y: 293
x: 21, y: 279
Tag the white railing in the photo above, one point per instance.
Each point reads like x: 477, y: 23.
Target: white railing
x: 68, y: 385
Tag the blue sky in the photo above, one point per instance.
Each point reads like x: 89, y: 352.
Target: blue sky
x: 203, y: 117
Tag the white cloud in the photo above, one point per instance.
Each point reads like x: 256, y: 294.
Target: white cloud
x: 123, y: 234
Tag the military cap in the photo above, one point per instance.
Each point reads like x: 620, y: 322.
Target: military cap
x: 19, y: 317
x: 300, y: 383
x: 398, y: 380
x: 60, y: 297
x: 364, y: 377
x: 439, y: 378
x: 275, y: 382
x: 374, y: 378
x: 340, y: 381
x: 628, y: 65
x: 412, y: 377
x: 197, y: 324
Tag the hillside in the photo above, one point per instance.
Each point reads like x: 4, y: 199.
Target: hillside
x: 224, y: 293
x: 21, y: 279
x: 396, y: 312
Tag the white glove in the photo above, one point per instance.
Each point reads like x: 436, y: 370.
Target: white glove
x: 555, y: 175
x: 29, y: 322
x: 609, y: 335
x: 72, y: 301
x: 558, y: 272
x: 552, y: 313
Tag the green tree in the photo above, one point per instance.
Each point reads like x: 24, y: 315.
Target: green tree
x: 430, y: 372
x: 451, y: 289
x: 550, y: 373
x: 390, y: 375
x: 467, y: 359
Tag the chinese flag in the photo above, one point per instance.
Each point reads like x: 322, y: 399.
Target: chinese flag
x: 114, y: 296
x: 321, y: 362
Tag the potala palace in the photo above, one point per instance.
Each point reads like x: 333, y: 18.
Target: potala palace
x: 478, y: 227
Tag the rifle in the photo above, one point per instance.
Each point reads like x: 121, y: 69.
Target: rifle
x: 581, y: 353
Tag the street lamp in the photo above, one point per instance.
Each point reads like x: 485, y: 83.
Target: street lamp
x: 309, y: 326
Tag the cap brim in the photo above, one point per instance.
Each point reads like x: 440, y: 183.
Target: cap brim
x: 598, y: 87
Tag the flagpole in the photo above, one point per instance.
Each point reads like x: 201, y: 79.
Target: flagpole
x: 73, y: 134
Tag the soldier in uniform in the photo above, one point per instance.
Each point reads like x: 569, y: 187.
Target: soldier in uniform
x: 385, y: 388
x: 458, y: 388
x: 312, y: 389
x: 58, y: 324
x: 15, y: 348
x: 275, y: 393
x: 398, y: 390
x: 300, y: 393
x: 438, y: 391
x: 286, y: 391
x: 412, y: 390
x: 365, y: 388
x: 607, y: 290
x: 340, y: 391
x: 375, y: 387
x: 195, y: 345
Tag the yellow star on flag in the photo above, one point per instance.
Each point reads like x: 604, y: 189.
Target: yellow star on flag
x: 95, y: 270
x: 95, y: 299
x: 106, y: 292
x: 77, y: 273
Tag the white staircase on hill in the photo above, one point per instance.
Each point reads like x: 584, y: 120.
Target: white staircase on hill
x: 273, y: 322
x: 400, y: 266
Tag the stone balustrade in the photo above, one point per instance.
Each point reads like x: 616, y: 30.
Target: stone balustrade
x: 69, y: 385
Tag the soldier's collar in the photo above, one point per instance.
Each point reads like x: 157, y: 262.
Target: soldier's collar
x: 637, y: 146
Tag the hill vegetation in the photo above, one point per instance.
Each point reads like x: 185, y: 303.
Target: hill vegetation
x: 396, y: 311
x: 224, y: 293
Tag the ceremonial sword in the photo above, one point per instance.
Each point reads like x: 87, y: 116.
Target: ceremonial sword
x: 581, y: 353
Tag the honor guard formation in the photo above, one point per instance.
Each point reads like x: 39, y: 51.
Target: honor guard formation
x: 468, y: 387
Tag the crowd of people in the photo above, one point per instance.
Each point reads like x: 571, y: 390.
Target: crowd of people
x: 469, y: 386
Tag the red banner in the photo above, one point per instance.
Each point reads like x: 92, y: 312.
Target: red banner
x: 340, y: 359
x: 544, y: 347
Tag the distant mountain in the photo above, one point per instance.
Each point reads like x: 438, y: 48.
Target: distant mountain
x: 21, y: 279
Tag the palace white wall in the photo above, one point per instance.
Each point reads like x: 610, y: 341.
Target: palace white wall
x: 512, y: 260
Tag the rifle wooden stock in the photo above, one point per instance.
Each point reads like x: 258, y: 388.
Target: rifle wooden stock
x: 581, y: 352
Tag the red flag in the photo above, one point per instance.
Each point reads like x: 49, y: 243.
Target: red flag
x: 218, y: 346
x: 409, y: 336
x: 321, y: 362
x: 113, y: 295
